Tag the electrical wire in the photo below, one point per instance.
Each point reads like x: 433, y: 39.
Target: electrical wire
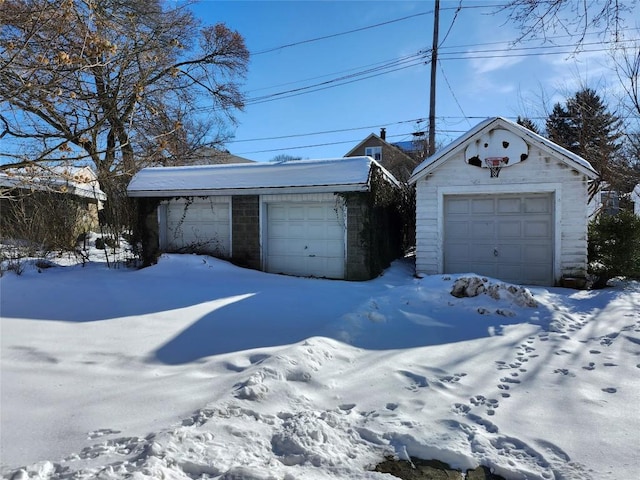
x: 368, y: 27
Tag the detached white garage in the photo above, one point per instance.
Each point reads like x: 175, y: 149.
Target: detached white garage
x: 504, y: 202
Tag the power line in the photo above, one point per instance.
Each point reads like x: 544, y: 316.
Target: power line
x: 342, y: 142
x: 368, y: 27
x: 425, y: 51
x: 416, y: 120
x: 414, y: 60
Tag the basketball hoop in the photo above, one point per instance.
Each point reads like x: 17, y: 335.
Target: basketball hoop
x: 495, y: 164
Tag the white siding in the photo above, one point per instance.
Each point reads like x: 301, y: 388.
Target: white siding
x: 539, y: 173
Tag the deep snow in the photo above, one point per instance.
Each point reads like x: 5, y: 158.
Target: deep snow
x: 197, y: 368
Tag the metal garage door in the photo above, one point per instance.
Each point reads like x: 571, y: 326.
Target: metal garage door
x: 306, y: 239
x: 199, y: 226
x: 509, y: 237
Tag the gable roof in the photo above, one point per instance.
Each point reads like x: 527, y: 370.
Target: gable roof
x: 533, y: 138
x: 299, y: 176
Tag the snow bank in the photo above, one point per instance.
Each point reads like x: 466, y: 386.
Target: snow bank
x: 196, y: 368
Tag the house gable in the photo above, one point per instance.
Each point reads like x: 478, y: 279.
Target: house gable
x: 485, y: 128
x: 393, y: 158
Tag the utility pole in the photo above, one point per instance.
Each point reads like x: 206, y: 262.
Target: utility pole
x: 432, y: 93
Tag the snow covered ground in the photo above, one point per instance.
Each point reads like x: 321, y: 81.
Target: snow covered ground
x: 195, y: 368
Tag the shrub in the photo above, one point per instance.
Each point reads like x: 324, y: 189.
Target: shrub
x: 614, y: 247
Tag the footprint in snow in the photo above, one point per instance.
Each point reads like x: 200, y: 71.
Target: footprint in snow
x: 418, y: 381
x: 101, y: 433
x: 455, y: 378
x: 509, y: 380
x: 460, y: 408
x: 609, y: 390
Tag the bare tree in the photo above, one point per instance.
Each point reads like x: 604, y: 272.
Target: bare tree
x: 119, y: 84
x: 542, y: 18
x: 627, y: 64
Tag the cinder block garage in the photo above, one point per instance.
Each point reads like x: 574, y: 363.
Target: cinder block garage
x: 321, y: 218
x: 504, y: 202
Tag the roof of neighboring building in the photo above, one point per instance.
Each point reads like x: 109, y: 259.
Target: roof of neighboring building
x: 299, y: 176
x: 79, y: 181
x: 500, y: 122
x: 214, y: 156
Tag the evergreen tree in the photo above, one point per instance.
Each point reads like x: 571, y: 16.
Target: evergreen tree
x: 585, y: 127
x: 527, y: 123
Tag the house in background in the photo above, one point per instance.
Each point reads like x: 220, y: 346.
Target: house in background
x: 321, y: 218
x: 605, y: 200
x: 29, y: 188
x: 635, y: 198
x: 504, y: 202
x: 395, y: 159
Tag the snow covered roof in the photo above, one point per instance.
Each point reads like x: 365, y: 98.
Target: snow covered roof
x: 299, y: 176
x: 461, y: 142
x: 79, y: 181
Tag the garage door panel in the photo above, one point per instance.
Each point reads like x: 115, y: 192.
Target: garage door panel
x: 509, y: 205
x: 482, y: 205
x: 538, y: 229
x: 509, y: 236
x: 458, y: 228
x: 533, y: 254
x: 457, y: 206
x: 509, y: 228
x: 508, y: 253
x: 458, y: 251
x: 482, y: 253
x: 277, y: 213
x: 537, y: 205
x: 482, y: 229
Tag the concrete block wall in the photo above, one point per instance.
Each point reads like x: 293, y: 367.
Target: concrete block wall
x: 245, y: 231
x: 357, y: 267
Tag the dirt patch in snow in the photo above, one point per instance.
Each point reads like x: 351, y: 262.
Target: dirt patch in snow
x: 418, y: 469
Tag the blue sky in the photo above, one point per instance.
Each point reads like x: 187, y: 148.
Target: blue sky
x: 480, y: 73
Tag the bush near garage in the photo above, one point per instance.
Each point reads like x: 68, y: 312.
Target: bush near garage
x: 614, y: 247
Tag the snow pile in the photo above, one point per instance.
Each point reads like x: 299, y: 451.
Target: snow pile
x: 474, y: 286
x: 195, y: 368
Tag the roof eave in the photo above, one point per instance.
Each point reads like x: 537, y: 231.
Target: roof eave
x: 357, y: 187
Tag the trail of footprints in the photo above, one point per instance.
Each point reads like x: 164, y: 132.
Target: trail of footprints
x: 525, y: 352
x: 511, y: 377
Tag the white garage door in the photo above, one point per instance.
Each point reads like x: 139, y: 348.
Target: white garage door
x: 199, y: 226
x: 509, y: 237
x: 305, y: 239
